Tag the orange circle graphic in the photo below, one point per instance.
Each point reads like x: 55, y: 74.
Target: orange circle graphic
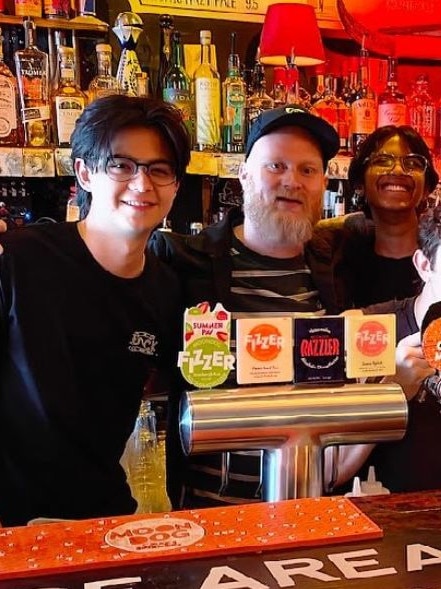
x: 431, y: 344
x: 372, y: 338
x: 264, y: 342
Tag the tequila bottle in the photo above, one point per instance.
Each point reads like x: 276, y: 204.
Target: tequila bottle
x: 103, y: 83
x: 9, y: 125
x: 68, y: 100
x: 392, y: 105
x: 177, y: 84
x: 128, y: 27
x: 32, y: 66
x: 234, y: 101
x: 364, y: 106
x: 208, y: 99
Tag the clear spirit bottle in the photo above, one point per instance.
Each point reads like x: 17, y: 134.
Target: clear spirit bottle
x: 9, y: 123
x: 208, y: 99
x: 103, y: 83
x: 364, y: 106
x: 422, y: 111
x: 68, y: 100
x: 279, y: 86
x: 177, y: 84
x: 392, y: 104
x: 234, y: 102
x: 32, y: 67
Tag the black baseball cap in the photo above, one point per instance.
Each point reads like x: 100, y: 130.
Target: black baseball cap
x: 295, y: 115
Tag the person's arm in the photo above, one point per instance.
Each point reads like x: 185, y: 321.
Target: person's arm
x: 3, y: 228
x: 411, y: 371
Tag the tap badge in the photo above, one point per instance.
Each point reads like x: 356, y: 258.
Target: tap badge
x: 206, y: 360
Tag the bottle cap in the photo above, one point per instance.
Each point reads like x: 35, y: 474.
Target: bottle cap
x: 103, y: 47
x: 205, y: 37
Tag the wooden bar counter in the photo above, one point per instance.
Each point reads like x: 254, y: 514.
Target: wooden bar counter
x: 390, y: 541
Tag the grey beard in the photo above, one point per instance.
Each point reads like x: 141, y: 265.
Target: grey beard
x: 278, y: 228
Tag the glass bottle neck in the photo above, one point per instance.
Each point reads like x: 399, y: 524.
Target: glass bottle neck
x: 177, y: 55
x: 205, y: 53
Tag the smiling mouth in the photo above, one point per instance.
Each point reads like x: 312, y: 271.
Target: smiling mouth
x: 395, y: 185
x: 138, y: 204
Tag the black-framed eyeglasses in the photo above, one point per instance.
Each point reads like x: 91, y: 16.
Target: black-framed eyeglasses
x: 123, y: 169
x: 410, y: 163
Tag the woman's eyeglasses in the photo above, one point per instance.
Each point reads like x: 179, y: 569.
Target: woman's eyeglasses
x: 410, y: 163
x: 123, y: 169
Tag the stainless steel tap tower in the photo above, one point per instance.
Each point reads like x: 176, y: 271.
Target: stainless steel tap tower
x: 292, y: 425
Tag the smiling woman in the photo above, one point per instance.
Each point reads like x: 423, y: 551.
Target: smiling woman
x: 394, y: 172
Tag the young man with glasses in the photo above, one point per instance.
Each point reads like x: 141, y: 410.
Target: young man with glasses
x: 394, y: 173
x: 87, y: 316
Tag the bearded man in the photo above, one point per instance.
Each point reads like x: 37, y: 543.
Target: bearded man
x: 264, y: 258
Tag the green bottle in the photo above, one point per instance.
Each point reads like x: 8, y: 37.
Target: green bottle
x: 177, y: 84
x: 233, y: 104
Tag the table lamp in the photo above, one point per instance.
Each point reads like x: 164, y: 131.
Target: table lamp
x: 291, y: 37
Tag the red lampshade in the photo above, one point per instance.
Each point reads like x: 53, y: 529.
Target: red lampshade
x: 291, y: 29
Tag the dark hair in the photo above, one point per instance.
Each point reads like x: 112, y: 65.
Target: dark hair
x: 104, y: 118
x: 429, y: 233
x: 375, y: 140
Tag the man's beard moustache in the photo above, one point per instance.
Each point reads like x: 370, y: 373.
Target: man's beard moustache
x: 278, y: 227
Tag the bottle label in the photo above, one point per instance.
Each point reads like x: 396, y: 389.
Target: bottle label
x: 207, y: 91
x: 423, y: 119
x: 40, y: 113
x: 27, y: 8
x: 364, y: 114
x: 67, y: 109
x: 8, y: 110
x: 234, y: 113
x: 180, y: 99
x: 393, y: 113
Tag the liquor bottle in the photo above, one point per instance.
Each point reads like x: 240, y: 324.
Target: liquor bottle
x: 177, y: 84
x: 319, y: 84
x: 32, y: 67
x: 165, y: 48
x: 279, y: 86
x: 208, y: 99
x: 234, y: 102
x: 103, y: 83
x: 68, y: 100
x: 392, y: 105
x: 334, y: 110
x: 339, y: 203
x: 422, y: 111
x: 364, y: 107
x: 259, y: 99
x: 9, y: 124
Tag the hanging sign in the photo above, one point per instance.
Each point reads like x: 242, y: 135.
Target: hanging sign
x: 237, y: 10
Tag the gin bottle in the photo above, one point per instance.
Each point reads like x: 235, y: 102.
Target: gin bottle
x: 68, y: 100
x: 208, y: 99
x: 234, y: 102
x: 32, y: 66
x: 9, y: 126
x: 103, y: 83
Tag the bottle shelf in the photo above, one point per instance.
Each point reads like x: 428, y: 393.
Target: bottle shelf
x: 47, y: 162
x: 76, y: 24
